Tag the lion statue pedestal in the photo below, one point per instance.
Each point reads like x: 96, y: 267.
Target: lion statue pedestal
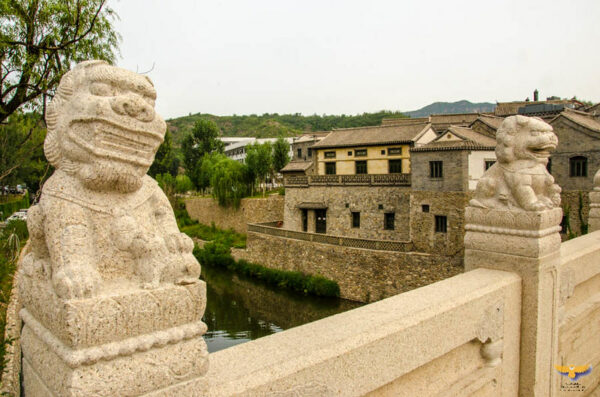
x: 112, y: 301
x: 513, y: 224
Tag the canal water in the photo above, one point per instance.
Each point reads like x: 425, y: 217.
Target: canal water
x: 240, y: 309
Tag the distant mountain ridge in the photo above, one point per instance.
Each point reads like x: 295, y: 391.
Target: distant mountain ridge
x: 463, y: 106
x: 286, y: 125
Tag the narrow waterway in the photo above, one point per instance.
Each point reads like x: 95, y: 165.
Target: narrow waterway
x: 240, y: 309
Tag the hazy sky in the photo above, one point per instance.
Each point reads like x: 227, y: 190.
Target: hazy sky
x: 259, y: 56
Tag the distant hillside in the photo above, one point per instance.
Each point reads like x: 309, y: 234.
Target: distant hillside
x: 276, y: 125
x: 452, y: 107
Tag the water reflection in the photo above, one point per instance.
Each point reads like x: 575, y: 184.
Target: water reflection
x: 240, y: 309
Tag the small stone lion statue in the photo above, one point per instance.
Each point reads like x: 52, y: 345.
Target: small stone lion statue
x: 101, y: 220
x: 519, y: 179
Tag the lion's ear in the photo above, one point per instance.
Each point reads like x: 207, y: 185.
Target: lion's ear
x: 522, y: 120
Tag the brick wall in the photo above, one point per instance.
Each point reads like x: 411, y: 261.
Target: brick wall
x: 573, y: 141
x: 455, y: 170
x: 341, y: 201
x: 252, y: 210
x: 363, y: 275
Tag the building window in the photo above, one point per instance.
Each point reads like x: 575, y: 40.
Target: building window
x: 299, y: 153
x: 425, y: 207
x: 436, y: 169
x: 395, y: 166
x: 441, y: 224
x: 360, y: 152
x: 549, y: 165
x: 309, y: 152
x: 329, y: 155
x: 329, y: 168
x: 578, y: 166
x: 380, y: 206
x: 488, y: 164
x: 383, y: 152
x: 349, y: 152
x: 394, y: 150
x: 361, y: 167
x: 355, y: 219
x: 388, y: 221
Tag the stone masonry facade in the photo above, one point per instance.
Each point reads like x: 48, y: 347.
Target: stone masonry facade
x: 251, y: 210
x: 372, y: 202
x: 454, y: 166
x: 363, y: 275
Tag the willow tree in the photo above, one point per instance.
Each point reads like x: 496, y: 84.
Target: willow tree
x: 228, y: 181
x: 41, y: 39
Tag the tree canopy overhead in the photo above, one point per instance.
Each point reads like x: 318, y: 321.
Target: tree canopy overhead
x: 41, y: 39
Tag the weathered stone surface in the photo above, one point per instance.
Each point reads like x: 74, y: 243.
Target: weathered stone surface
x: 252, y: 210
x: 458, y: 337
x: 512, y: 224
x: 363, y: 275
x: 112, y: 303
x: 519, y: 178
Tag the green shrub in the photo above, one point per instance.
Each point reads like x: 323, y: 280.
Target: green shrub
x: 12, y: 206
x: 219, y: 254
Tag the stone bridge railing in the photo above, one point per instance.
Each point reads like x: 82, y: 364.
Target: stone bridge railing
x: 379, y: 245
x: 348, y: 180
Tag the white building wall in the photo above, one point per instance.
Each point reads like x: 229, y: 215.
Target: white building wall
x: 476, y: 160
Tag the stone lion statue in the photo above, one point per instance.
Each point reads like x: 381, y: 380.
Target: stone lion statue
x: 101, y: 220
x: 519, y: 179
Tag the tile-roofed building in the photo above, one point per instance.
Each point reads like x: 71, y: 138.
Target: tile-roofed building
x: 577, y: 155
x: 454, y: 161
x: 487, y: 124
x: 442, y: 121
x: 370, y: 150
x: 374, y: 135
x: 532, y: 108
x: 297, y: 168
x: 594, y: 110
x: 404, y: 120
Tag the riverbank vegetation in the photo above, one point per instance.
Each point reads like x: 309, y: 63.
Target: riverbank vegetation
x: 12, y: 239
x: 217, y: 253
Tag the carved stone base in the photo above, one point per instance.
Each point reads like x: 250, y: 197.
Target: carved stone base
x: 520, y: 233
x: 47, y: 374
x: 133, y: 342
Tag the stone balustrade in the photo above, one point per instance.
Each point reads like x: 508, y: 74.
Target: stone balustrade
x: 371, y: 244
x: 348, y: 180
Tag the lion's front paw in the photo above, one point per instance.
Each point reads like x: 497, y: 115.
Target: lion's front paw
x: 74, y: 283
x: 536, y: 206
x: 179, y: 242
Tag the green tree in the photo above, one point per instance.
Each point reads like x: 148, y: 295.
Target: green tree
x: 228, y: 181
x: 281, y: 156
x: 41, y: 39
x: 21, y: 149
x: 202, y: 140
x: 259, y: 158
x: 204, y: 171
x: 165, y: 160
x: 183, y: 184
x: 167, y: 183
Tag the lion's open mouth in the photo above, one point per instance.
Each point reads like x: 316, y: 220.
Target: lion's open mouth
x: 107, y: 139
x: 542, y: 151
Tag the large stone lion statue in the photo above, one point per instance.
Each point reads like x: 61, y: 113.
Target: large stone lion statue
x: 519, y: 179
x: 101, y: 221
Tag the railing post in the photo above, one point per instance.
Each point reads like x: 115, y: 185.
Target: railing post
x: 594, y: 217
x: 512, y: 224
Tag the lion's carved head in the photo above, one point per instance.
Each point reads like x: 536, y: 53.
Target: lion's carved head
x: 102, y: 127
x: 525, y: 138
